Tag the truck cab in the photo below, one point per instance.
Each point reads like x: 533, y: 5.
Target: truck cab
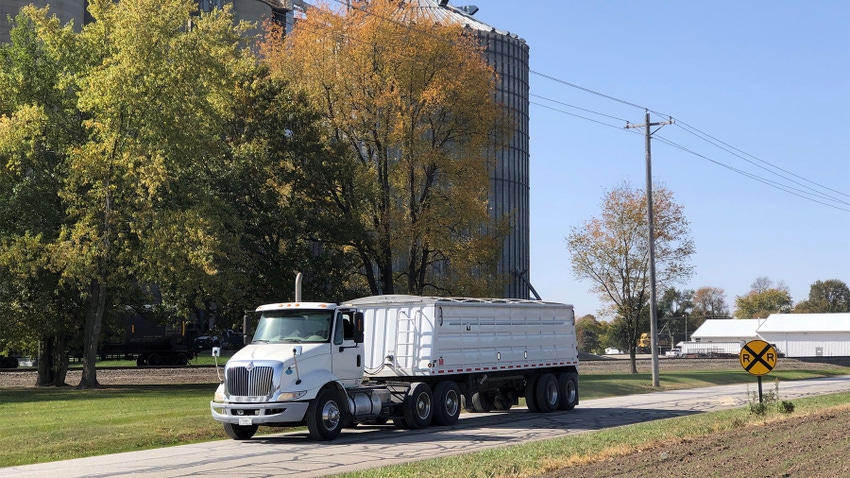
x: 296, y: 351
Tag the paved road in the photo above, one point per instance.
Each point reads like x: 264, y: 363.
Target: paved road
x: 368, y: 447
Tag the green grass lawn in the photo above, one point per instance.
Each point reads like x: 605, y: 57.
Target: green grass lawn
x: 48, y: 424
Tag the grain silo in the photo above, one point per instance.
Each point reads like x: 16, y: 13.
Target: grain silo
x: 65, y: 11
x: 509, y: 180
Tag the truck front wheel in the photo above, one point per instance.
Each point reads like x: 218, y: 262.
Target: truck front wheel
x: 324, y: 416
x: 240, y: 432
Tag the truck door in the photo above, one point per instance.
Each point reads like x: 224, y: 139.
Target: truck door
x: 346, y: 354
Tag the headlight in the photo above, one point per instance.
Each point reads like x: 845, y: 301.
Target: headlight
x: 289, y: 396
x: 219, y: 394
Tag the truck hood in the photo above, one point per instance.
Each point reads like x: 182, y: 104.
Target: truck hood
x: 280, y: 352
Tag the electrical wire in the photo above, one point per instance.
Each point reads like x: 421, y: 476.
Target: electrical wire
x: 806, y: 193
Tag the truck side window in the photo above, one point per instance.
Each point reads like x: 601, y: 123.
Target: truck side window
x: 344, y: 329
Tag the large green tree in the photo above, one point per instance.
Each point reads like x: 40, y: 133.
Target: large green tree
x: 411, y: 101
x: 154, y: 84
x: 612, y: 252
x: 38, y: 122
x: 830, y: 295
x: 763, y: 299
x: 674, y: 311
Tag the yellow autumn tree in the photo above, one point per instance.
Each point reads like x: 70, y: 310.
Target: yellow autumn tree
x: 410, y: 103
x: 612, y: 252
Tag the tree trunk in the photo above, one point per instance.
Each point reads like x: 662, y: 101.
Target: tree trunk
x: 633, y: 358
x: 52, y: 362
x: 94, y: 318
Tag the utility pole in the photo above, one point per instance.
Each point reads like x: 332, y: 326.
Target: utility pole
x: 653, y: 306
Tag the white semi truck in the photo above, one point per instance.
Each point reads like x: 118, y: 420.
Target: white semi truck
x: 414, y: 360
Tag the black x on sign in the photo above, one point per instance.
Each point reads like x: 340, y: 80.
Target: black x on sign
x: 758, y: 357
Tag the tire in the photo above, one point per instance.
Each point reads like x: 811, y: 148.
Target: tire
x: 154, y: 360
x: 568, y: 385
x: 324, y: 416
x: 503, y: 400
x: 240, y: 432
x: 182, y: 359
x: 530, y: 393
x: 447, y: 403
x: 547, y: 394
x: 418, y: 406
x: 482, y: 403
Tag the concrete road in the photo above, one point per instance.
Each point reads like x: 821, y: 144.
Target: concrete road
x: 293, y: 454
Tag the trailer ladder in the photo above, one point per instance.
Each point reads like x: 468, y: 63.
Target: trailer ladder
x: 405, y: 340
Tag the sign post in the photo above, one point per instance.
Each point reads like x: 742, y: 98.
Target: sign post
x: 758, y: 358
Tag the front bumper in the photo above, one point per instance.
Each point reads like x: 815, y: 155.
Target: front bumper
x: 259, y: 413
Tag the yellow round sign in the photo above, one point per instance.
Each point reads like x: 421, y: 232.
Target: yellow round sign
x: 758, y: 357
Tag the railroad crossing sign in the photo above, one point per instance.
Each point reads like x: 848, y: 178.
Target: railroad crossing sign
x: 758, y: 357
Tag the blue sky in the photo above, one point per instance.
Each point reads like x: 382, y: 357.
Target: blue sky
x: 771, y: 79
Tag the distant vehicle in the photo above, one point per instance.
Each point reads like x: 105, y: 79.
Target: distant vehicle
x: 673, y: 353
x: 612, y: 351
x: 206, y: 342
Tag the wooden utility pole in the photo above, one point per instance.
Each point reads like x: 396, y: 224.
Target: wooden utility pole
x: 653, y: 304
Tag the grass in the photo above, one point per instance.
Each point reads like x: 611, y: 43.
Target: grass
x: 540, y: 457
x: 48, y: 424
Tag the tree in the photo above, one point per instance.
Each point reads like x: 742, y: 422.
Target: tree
x: 762, y: 300
x: 674, y: 309
x: 38, y: 120
x: 826, y: 296
x: 411, y: 101
x: 709, y: 303
x: 589, y: 334
x: 154, y: 84
x: 612, y: 252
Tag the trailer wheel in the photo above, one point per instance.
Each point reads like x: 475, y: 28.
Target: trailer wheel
x: 324, y: 416
x: 418, y: 410
x: 568, y: 385
x: 546, y: 393
x: 481, y: 403
x: 447, y: 399
x: 154, y: 360
x: 182, y: 359
x: 503, y: 400
x: 240, y: 432
x: 530, y: 392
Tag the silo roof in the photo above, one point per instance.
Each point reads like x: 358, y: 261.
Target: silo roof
x: 443, y: 12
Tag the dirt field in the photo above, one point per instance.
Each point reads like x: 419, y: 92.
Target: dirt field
x: 799, y: 446
x: 805, y: 447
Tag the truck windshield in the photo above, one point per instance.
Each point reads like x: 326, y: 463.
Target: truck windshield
x: 294, y: 326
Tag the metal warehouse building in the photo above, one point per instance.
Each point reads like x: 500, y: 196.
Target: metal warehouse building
x: 808, y: 335
x: 794, y: 335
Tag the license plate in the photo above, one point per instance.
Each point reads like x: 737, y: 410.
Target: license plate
x: 245, y: 421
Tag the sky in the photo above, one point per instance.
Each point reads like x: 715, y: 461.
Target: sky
x: 769, y: 81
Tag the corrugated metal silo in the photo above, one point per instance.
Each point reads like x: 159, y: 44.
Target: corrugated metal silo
x: 509, y: 181
x: 65, y: 10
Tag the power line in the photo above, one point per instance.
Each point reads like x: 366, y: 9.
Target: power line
x: 685, y: 126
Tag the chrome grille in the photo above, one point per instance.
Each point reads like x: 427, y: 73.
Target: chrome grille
x: 244, y: 381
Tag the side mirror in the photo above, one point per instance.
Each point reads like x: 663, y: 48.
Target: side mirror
x: 216, y: 351
x: 358, y: 327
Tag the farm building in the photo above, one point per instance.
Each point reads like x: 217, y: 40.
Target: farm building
x: 727, y: 330
x: 793, y: 335
x: 808, y: 335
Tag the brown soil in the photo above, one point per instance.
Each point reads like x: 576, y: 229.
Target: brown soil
x: 804, y: 446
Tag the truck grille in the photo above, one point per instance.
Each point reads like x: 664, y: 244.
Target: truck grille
x: 249, y: 382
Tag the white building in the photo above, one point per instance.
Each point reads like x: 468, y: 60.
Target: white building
x: 794, y: 335
x: 808, y: 335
